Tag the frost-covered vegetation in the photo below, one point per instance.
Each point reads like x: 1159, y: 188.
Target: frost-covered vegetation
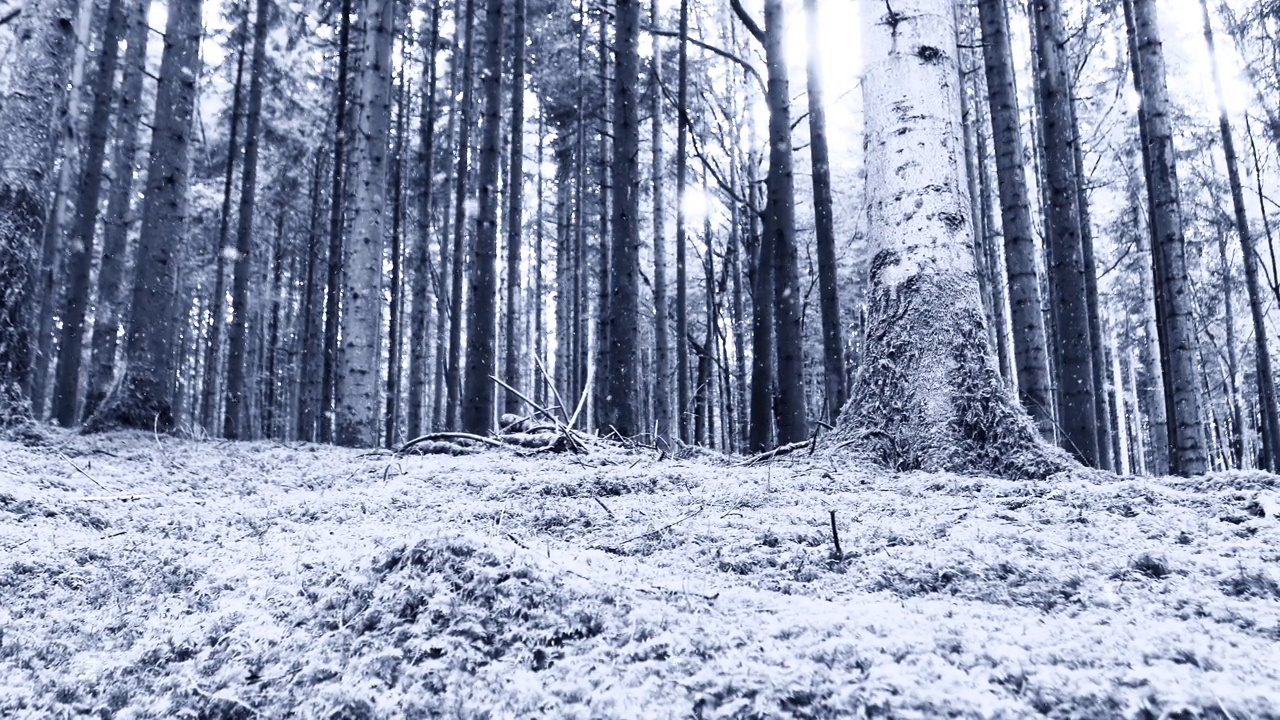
x: 148, y: 577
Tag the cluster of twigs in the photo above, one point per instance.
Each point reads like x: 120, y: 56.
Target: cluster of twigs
x: 544, y: 430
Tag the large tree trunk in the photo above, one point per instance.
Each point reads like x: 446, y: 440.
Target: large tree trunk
x: 824, y: 226
x: 356, y: 399
x: 661, y: 315
x: 395, y: 311
x: 515, y: 205
x: 107, y: 311
x: 623, y: 381
x: 1072, y: 347
x: 478, y: 398
x: 235, y: 421
x: 1187, y: 451
x: 76, y: 299
x: 928, y: 395
x: 1030, y: 354
x: 144, y: 397
x: 27, y: 114
x: 1266, y: 380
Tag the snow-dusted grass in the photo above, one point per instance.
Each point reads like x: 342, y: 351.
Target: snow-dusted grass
x: 255, y: 580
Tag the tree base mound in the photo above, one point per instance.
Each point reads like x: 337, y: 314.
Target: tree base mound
x: 938, y: 404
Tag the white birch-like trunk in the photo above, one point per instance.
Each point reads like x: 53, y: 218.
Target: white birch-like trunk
x: 929, y: 395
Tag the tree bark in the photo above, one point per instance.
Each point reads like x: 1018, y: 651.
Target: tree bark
x: 337, y: 202
x: 623, y: 380
x: 780, y: 223
x: 1266, y: 379
x: 682, y: 279
x: 837, y: 390
x: 421, y: 312
x: 453, y: 380
x: 66, y: 387
x: 312, y: 316
x: 515, y: 208
x: 52, y: 274
x: 478, y: 398
x: 108, y: 309
x: 1068, y: 285
x: 1187, y: 451
x: 144, y: 398
x: 928, y: 395
x: 661, y: 315
x: 396, y: 309
x: 1030, y: 354
x: 235, y: 421
x: 357, y: 396
x: 27, y: 113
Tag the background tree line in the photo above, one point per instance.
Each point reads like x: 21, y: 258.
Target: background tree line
x: 339, y: 220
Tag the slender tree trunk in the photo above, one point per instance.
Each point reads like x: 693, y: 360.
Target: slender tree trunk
x: 235, y: 422
x: 144, y: 397
x: 661, y: 316
x: 515, y: 206
x: 213, y: 352
x: 760, y: 436
x: 272, y: 349
x: 312, y: 317
x: 1233, y: 363
x: 682, y: 280
x: 928, y: 395
x: 623, y: 379
x: 27, y: 113
x: 539, y: 382
x: 396, y: 310
x: 80, y: 259
x: 1266, y: 379
x: 107, y: 310
x: 454, y: 376
x: 837, y: 391
x: 478, y: 400
x: 356, y: 399
x: 337, y: 202
x: 1187, y: 456
x: 1062, y: 224
x: 421, y: 312
x: 1101, y: 403
x: 53, y: 271
x: 1029, y: 349
x: 793, y: 425
x: 603, y: 342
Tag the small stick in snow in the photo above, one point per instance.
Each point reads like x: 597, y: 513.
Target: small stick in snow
x: 77, y: 468
x: 606, y: 507
x: 835, y: 537
x: 617, y: 549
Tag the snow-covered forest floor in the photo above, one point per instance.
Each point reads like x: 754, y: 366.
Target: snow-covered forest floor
x: 258, y: 580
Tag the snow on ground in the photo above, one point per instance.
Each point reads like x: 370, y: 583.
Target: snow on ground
x: 145, y: 577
